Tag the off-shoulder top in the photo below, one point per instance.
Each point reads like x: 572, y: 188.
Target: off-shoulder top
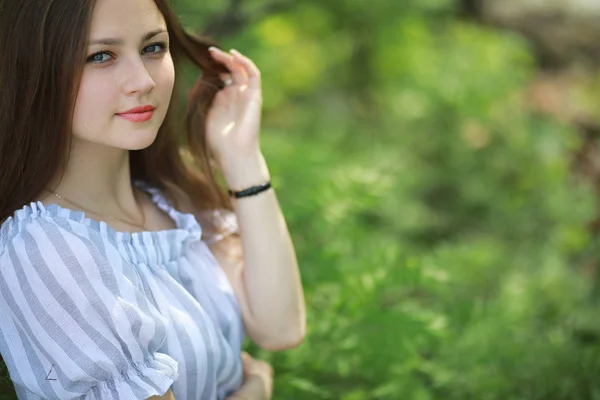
x: 88, y: 312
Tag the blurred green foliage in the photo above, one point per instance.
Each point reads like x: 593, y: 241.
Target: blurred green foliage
x: 442, y: 235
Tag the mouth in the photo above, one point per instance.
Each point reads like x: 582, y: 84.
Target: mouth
x: 137, y: 117
x: 138, y: 114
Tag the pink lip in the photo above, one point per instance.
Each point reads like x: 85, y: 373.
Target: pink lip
x: 137, y: 117
x: 139, y: 109
x: 138, y: 114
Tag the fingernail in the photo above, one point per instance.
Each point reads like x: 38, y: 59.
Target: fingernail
x: 234, y: 51
x: 212, y: 48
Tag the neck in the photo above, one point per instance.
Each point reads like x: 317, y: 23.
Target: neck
x: 99, y: 178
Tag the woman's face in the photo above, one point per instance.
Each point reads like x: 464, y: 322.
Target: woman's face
x: 128, y: 66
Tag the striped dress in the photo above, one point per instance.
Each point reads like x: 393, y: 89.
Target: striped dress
x: 87, y: 312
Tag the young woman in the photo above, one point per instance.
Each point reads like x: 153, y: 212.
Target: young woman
x: 126, y: 270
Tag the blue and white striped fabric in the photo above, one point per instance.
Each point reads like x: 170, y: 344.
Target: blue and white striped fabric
x: 91, y: 313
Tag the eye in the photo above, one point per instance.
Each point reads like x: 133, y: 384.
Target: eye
x: 161, y: 45
x: 97, y: 58
x: 159, y: 48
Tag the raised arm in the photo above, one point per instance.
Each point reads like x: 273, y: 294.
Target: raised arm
x: 265, y: 276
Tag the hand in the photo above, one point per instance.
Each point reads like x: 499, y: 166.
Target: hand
x: 233, y: 121
x: 258, y: 380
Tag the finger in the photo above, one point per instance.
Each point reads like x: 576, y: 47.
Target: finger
x: 266, y: 367
x: 226, y: 78
x: 238, y: 74
x: 247, y: 359
x: 235, y: 68
x: 250, y: 67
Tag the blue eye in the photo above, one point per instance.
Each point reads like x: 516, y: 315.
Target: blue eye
x: 97, y: 58
x: 160, y: 44
x: 94, y: 58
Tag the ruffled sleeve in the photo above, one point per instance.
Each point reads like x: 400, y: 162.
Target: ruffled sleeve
x: 220, y: 224
x: 72, y: 324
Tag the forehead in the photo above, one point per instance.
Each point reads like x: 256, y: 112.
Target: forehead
x: 125, y: 16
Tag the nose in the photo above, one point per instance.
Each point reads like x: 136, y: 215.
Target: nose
x: 137, y: 78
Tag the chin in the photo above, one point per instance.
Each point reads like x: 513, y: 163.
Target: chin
x: 140, y: 139
x: 139, y: 145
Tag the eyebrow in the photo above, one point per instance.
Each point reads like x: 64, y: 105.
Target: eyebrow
x: 120, y: 42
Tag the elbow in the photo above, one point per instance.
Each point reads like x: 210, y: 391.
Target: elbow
x: 283, y: 346
x: 284, y: 339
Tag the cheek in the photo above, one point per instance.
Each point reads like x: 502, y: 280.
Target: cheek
x: 166, y: 78
x: 93, y: 100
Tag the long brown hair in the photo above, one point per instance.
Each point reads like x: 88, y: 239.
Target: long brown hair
x: 40, y: 44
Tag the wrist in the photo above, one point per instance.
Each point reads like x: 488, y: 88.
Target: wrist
x: 243, y: 172
x: 251, y: 191
x: 259, y: 387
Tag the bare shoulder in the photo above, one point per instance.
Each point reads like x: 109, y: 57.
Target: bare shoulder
x: 228, y: 249
x: 219, y: 226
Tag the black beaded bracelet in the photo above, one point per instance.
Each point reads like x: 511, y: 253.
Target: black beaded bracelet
x: 251, y: 191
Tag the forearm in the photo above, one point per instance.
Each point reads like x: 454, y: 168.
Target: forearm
x: 258, y: 380
x: 271, y: 276
x: 254, y: 388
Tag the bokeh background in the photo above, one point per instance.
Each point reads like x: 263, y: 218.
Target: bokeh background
x: 437, y: 163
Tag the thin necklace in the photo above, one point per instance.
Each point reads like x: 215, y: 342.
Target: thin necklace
x: 143, y: 225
